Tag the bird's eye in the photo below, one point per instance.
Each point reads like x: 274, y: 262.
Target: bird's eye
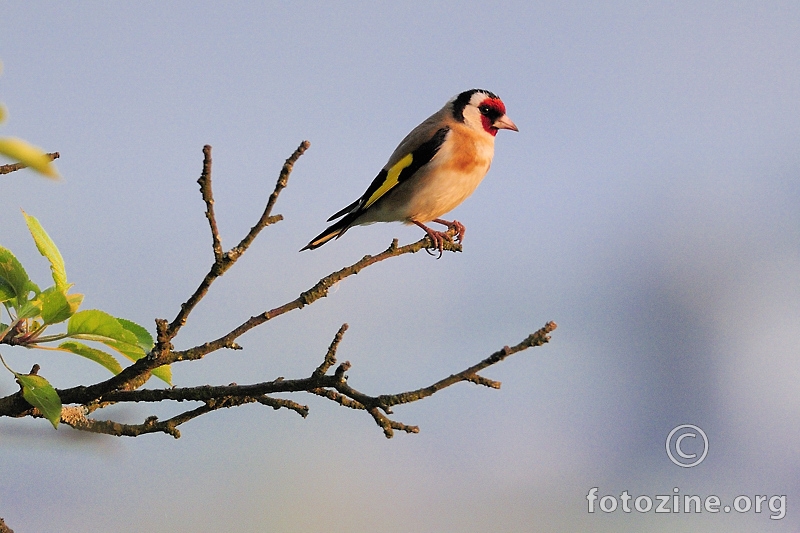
x: 484, y: 109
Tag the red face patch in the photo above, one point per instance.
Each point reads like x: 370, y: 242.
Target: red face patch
x: 495, y: 103
x: 491, y: 109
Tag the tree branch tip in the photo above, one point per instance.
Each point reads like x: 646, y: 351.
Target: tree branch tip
x: 13, y: 167
x: 341, y: 369
x: 388, y: 428
x: 278, y: 403
x: 486, y: 382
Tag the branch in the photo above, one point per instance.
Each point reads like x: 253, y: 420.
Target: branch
x: 319, y: 290
x: 334, y: 387
x: 222, y: 262
x: 16, y: 406
x: 208, y: 197
x: 12, y: 406
x: 330, y: 356
x: 125, y: 386
x: 540, y: 337
x: 13, y: 167
x: 264, y: 221
x: 76, y: 417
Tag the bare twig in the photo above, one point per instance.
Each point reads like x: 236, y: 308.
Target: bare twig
x: 389, y: 426
x: 334, y: 396
x: 265, y: 219
x: 540, y: 337
x: 223, y: 262
x: 277, y: 403
x: 330, y: 356
x: 76, y: 417
x: 208, y: 197
x: 4, y: 528
x: 319, y: 290
x: 331, y: 386
x: 13, y: 167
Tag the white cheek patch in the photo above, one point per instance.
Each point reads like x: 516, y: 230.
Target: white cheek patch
x: 472, y: 117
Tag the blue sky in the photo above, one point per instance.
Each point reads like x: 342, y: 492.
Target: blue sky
x: 649, y: 205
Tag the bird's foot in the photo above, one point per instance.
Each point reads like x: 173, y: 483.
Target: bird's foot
x: 438, y: 237
x: 455, y: 225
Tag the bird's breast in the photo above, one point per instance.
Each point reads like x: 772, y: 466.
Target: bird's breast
x: 452, y: 176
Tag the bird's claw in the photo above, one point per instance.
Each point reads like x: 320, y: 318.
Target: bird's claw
x: 437, y: 241
x: 438, y: 237
x: 455, y: 226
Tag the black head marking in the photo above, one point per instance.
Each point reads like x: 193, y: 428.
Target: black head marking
x: 492, y: 112
x: 463, y: 99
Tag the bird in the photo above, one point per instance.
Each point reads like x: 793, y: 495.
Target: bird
x: 433, y: 170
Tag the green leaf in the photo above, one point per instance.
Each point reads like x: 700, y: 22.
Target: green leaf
x: 98, y: 356
x: 14, y: 281
x: 131, y: 351
x: 146, y: 343
x: 134, y: 353
x: 75, y: 301
x: 48, y: 248
x: 6, y: 291
x: 38, y: 392
x: 29, y: 310
x: 143, y: 337
x: 164, y: 373
x: 121, y: 335
x: 97, y: 325
x: 55, y: 306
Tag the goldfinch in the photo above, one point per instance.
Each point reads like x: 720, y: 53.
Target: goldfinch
x: 435, y: 168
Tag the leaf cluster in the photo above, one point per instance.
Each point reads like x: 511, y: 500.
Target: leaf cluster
x: 32, y: 311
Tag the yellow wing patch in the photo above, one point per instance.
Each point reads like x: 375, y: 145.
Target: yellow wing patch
x: 392, y: 178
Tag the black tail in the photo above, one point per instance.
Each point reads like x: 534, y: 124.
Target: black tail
x: 334, y: 231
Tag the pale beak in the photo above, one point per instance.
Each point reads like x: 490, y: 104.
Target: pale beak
x: 505, y: 123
